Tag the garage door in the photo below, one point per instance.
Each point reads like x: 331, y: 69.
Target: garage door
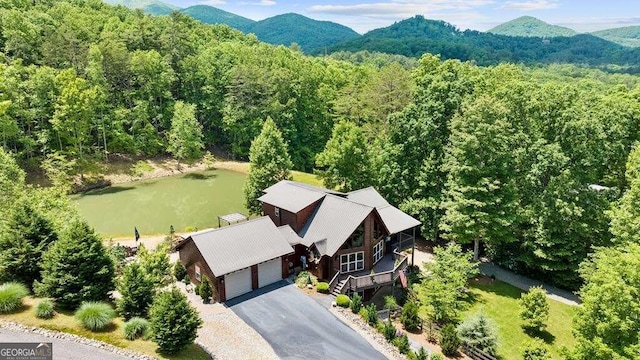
x: 269, y: 272
x: 237, y: 283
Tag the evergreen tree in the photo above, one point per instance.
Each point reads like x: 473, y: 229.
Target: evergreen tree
x: 76, y: 268
x: 206, y: 292
x: 137, y: 291
x: 269, y: 163
x: 156, y: 264
x: 11, y: 179
x: 185, y: 136
x: 345, y: 163
x: 449, y: 340
x: 481, y: 332
x: 28, y: 234
x: 174, y: 322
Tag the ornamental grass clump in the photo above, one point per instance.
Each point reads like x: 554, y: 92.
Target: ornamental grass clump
x: 135, y: 328
x: 45, y: 309
x: 95, y: 316
x: 11, y: 295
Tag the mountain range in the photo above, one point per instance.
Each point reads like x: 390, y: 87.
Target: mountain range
x: 523, y: 40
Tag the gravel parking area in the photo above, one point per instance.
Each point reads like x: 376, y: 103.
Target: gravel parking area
x: 225, y: 336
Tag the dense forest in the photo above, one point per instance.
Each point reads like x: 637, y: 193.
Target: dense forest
x: 527, y: 160
x: 530, y: 26
x: 417, y: 35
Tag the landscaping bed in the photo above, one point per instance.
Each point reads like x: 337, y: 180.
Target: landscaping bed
x: 113, y: 335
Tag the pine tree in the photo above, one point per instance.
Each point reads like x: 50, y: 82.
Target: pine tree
x: 76, y: 268
x: 206, y: 292
x: 269, y: 163
x: 480, y: 332
x: 28, y: 234
x: 137, y: 291
x: 174, y: 323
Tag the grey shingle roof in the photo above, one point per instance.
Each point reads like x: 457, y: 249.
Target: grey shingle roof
x: 368, y: 196
x: 236, y: 247
x: 290, y: 196
x: 335, y: 219
x: 395, y: 220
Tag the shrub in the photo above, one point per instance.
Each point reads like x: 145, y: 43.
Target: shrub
x: 135, y: 328
x: 421, y: 354
x: 197, y: 289
x: 481, y: 332
x: 402, y: 343
x: 534, y: 309
x: 179, y: 271
x: 95, y: 316
x: 356, y: 303
x: 206, y: 292
x: 363, y: 313
x: 390, y: 302
x: 11, y: 295
x: 449, y: 341
x: 389, y: 331
x: 186, y: 280
x: 303, y: 279
x: 343, y: 300
x: 156, y: 264
x: 44, y: 309
x: 372, y: 315
x: 409, y: 318
x: 137, y: 290
x: 174, y: 322
x: 322, y: 287
x: 436, y: 356
x: 536, y: 350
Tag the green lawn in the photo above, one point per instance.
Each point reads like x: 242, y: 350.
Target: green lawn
x: 189, y: 200
x: 65, y: 322
x: 499, y: 301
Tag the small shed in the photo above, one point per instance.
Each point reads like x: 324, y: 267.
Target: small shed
x: 232, y: 218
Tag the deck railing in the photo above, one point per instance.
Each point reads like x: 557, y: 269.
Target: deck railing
x: 334, y: 282
x: 356, y: 283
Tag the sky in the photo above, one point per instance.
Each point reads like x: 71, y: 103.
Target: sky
x: 365, y: 15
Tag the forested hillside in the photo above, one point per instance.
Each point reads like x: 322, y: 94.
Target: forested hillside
x: 211, y: 15
x: 417, y: 35
x: 626, y: 36
x: 152, y: 7
x: 529, y: 161
x: 530, y: 26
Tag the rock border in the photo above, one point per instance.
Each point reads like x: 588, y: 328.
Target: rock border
x: 11, y: 325
x: 370, y: 334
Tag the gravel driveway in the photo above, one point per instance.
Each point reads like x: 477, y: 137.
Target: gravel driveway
x: 297, y: 327
x: 62, y: 349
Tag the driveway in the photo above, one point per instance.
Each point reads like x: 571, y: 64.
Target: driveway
x: 62, y: 349
x: 298, y: 327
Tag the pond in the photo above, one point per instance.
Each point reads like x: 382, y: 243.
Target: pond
x: 188, y: 200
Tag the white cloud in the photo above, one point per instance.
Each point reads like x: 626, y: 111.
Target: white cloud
x: 260, y: 3
x: 530, y: 5
x: 397, y: 9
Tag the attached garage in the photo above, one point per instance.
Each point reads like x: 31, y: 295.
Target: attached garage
x: 237, y: 283
x: 237, y: 258
x: 269, y: 272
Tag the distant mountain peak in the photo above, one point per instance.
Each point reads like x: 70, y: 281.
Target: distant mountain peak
x: 530, y: 26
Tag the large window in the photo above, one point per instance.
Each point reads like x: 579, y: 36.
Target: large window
x: 378, y: 251
x: 355, y: 240
x: 352, y: 262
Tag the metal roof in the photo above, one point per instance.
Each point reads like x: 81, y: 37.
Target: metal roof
x: 239, y: 246
x: 232, y: 218
x: 368, y: 196
x: 335, y: 219
x: 291, y: 236
x: 395, y: 220
x: 290, y: 196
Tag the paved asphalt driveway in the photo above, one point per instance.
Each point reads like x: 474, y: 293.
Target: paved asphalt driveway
x: 297, y: 327
x: 62, y: 349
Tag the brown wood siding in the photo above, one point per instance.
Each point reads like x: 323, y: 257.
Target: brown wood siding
x: 190, y: 256
x: 222, y: 294
x: 254, y: 276
x: 288, y: 218
x: 270, y: 211
x: 367, y: 247
x: 285, y: 267
x: 303, y: 215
